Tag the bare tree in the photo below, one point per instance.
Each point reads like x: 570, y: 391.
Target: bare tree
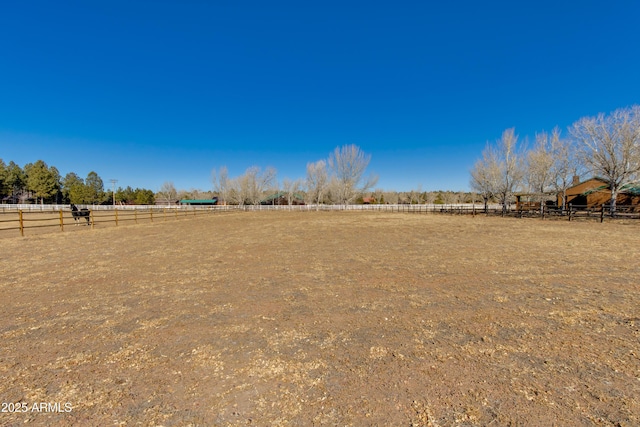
x: 511, y: 170
x: 403, y: 198
x: 264, y: 180
x: 249, y: 188
x: 565, y: 164
x: 348, y: 164
x: 378, y: 195
x: 485, y: 175
x: 539, y: 167
x: 391, y: 197
x: 610, y: 147
x: 415, y: 196
x: 448, y: 197
x: 317, y: 181
x: 168, y: 192
x: 291, y: 188
x: 430, y: 197
x: 220, y: 181
x: 333, y: 190
x: 500, y: 171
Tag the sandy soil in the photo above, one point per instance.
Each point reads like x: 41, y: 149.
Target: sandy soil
x: 329, y: 318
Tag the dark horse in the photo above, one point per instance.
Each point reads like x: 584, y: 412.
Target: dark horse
x: 77, y: 214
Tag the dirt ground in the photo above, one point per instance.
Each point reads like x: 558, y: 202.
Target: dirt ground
x: 323, y: 318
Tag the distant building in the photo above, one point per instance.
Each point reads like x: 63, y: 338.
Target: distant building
x: 282, y: 198
x: 368, y: 200
x: 199, y: 202
x: 596, y: 191
x: 531, y: 201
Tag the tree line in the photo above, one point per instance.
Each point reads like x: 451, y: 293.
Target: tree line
x: 605, y: 146
x: 41, y: 183
x: 338, y: 179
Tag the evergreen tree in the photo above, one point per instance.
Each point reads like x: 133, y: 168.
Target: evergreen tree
x: 42, y: 180
x: 15, y: 181
x: 94, y: 188
x: 144, y: 197
x: 72, y: 188
x: 3, y: 178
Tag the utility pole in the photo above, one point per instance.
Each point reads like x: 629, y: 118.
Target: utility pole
x: 113, y: 191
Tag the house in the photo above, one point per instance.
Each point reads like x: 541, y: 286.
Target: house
x: 596, y: 192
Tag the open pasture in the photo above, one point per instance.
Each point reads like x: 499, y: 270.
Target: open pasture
x: 324, y: 318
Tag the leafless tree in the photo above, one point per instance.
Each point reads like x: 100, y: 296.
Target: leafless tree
x: 378, y: 194
x: 291, y: 189
x: 485, y: 175
x: 430, y: 197
x: 403, y: 198
x: 565, y: 164
x: 473, y: 197
x: 333, y: 190
x: 539, y: 166
x: 168, y: 192
x: 317, y: 181
x: 500, y: 171
x: 249, y: 188
x: 610, y: 147
x: 220, y: 181
x: 348, y: 165
x: 449, y: 197
x: 391, y: 197
x: 415, y: 196
x: 259, y: 182
x: 511, y: 169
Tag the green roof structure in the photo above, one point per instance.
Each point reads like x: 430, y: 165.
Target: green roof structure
x: 213, y: 201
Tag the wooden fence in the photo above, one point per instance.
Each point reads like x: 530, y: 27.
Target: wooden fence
x: 62, y: 219
x: 15, y: 218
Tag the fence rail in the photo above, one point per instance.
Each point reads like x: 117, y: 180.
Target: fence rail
x: 21, y: 220
x: 24, y: 217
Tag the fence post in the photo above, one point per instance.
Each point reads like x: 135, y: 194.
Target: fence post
x: 21, y: 222
x: 61, y: 220
x: 135, y: 215
x: 91, y: 219
x: 151, y: 214
x: 570, y: 211
x: 116, y: 212
x: 602, y: 213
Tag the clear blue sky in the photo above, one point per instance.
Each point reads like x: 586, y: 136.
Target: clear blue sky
x: 153, y: 91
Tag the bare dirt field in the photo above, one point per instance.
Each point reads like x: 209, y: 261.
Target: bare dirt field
x: 323, y: 318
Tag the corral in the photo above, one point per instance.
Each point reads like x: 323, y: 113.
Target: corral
x: 324, y: 318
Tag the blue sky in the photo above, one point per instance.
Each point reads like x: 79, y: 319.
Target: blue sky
x: 153, y: 91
